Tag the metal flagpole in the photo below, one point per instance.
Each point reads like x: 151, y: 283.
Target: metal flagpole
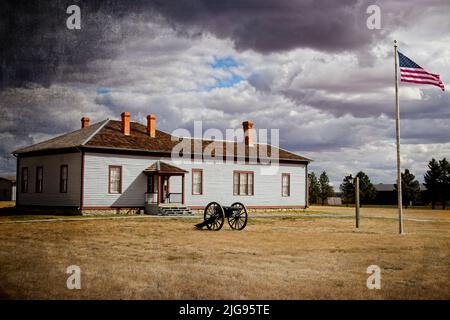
x: 357, y: 202
x: 397, y: 127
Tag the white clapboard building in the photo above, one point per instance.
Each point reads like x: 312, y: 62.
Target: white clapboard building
x: 119, y: 166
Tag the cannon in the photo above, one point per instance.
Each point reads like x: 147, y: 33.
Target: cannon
x: 215, y: 214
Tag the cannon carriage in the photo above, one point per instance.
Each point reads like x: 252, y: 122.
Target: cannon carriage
x: 215, y: 214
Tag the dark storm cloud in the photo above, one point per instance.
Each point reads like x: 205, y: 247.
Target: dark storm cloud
x: 36, y: 46
x: 276, y: 25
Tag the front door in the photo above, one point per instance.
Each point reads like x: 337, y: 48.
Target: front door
x: 164, y: 189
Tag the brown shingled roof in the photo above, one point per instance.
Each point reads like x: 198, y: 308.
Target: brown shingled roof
x: 108, y: 135
x: 68, y: 140
x: 111, y: 136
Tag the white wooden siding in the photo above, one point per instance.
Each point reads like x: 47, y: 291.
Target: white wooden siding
x: 217, y: 182
x: 218, y: 185
x: 51, y: 167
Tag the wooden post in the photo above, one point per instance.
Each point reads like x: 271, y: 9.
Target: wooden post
x: 182, y: 189
x: 307, y: 187
x: 357, y: 202
x: 159, y: 189
x: 397, y: 127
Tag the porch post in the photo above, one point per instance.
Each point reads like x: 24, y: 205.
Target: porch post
x: 159, y: 189
x: 182, y: 189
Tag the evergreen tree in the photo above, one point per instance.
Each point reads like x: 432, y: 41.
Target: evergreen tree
x: 347, y: 188
x: 444, y: 181
x: 325, y: 189
x: 432, y: 179
x: 410, y: 188
x: 313, y: 188
x: 367, y: 191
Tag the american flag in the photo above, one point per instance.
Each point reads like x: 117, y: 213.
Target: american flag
x: 412, y: 72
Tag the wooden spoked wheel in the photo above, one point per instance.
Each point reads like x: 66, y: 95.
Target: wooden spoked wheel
x: 215, y: 216
x: 238, y: 219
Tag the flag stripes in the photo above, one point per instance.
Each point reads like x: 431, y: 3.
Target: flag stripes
x: 413, y: 73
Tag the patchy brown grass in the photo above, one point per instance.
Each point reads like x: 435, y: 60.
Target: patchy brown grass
x: 273, y: 258
x: 387, y: 212
x: 7, y: 204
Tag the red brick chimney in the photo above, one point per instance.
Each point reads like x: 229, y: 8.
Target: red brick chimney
x: 126, y: 123
x: 151, y: 125
x: 85, y: 122
x: 248, y: 132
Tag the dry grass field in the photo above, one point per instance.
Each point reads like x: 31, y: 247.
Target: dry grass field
x: 273, y: 258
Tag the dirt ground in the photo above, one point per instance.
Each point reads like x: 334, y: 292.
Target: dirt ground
x: 273, y: 258
x: 387, y: 212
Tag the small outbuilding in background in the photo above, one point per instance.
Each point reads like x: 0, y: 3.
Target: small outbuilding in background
x: 7, y: 189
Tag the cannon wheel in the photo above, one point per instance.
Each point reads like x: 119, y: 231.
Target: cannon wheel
x: 238, y: 220
x: 213, y: 209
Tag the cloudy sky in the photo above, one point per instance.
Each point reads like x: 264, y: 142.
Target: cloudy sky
x: 309, y: 68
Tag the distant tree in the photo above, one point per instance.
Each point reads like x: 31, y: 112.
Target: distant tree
x: 367, y: 191
x: 347, y: 188
x: 444, y: 181
x: 325, y: 189
x: 410, y: 188
x: 313, y: 188
x: 432, y: 181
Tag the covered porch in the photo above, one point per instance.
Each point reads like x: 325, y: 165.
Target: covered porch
x: 165, y: 186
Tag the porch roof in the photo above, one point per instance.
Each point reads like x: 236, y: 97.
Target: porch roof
x: 161, y: 167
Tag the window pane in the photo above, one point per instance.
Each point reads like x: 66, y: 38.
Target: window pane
x: 150, y: 187
x: 196, y: 175
x: 250, y: 190
x: 250, y: 184
x: 236, y: 183
x: 113, y: 174
x: 243, y: 183
x: 197, y: 189
x: 64, y: 173
x: 24, y: 179
x: 39, y: 178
